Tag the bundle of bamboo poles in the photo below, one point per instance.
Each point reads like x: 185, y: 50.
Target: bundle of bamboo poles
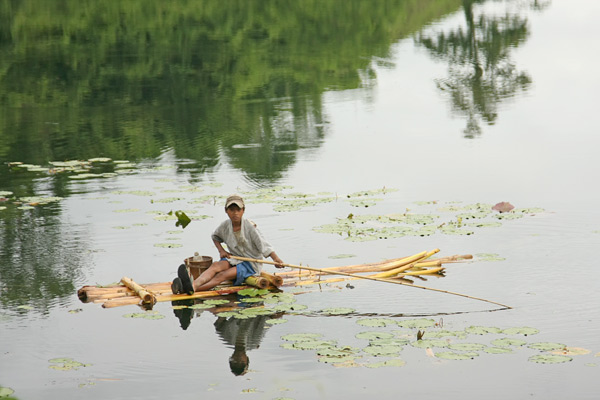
x: 417, y: 265
x: 128, y: 292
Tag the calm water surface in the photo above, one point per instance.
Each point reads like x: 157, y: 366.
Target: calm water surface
x: 443, y: 104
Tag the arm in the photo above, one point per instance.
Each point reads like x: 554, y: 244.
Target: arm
x: 222, y: 252
x: 276, y: 258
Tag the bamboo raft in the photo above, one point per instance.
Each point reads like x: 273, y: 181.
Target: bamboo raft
x: 399, y: 270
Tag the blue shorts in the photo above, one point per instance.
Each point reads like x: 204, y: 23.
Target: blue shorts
x: 244, y: 270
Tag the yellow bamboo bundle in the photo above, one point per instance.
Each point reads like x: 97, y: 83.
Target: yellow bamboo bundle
x: 174, y: 297
x: 145, y: 295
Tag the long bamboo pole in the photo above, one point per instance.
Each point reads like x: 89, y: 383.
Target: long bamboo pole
x: 367, y: 277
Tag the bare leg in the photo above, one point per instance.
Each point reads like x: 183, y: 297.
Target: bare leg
x: 227, y: 275
x: 213, y: 270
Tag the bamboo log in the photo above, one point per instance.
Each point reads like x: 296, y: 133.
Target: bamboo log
x: 369, y: 278
x: 274, y: 280
x: 396, y: 271
x: 429, y: 271
x: 257, y: 281
x: 144, y: 294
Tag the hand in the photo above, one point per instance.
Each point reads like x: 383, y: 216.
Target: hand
x: 278, y: 262
x: 224, y: 254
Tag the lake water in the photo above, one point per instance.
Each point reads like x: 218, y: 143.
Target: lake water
x: 426, y: 109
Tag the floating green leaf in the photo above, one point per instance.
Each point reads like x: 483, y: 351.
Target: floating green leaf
x: 168, y: 245
x: 276, y: 321
x: 546, y: 346
x: 482, y: 330
x: 337, y: 360
x: 376, y: 322
x: 450, y: 355
x: 340, y: 256
x: 506, y: 342
x: 467, y: 346
x: 394, y: 362
x: 66, y: 364
x: 489, y: 257
x: 498, y: 350
x: 299, y: 337
x: 428, y: 343
x: 253, y: 292
x: 145, y: 315
x: 201, y: 306
x: 6, y: 392
x: 216, y: 302
x: 416, y: 323
x: 338, y: 311
x: 549, y: 359
x: 372, y: 335
x: 314, y: 344
x: 524, y: 330
x: 383, y: 350
x: 431, y: 334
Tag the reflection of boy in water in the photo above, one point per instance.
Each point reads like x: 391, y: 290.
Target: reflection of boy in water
x: 243, y: 335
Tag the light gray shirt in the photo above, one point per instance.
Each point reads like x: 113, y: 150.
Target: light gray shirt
x: 248, y: 242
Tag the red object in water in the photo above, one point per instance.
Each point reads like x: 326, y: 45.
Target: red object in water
x: 503, y: 207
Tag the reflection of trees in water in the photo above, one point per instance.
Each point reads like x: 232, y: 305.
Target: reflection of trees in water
x: 40, y: 257
x: 127, y: 80
x: 480, y: 72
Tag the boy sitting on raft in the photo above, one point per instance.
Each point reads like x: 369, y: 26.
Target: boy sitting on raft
x: 243, y: 239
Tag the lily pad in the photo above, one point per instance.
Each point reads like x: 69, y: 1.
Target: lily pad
x: 489, y: 257
x: 168, y: 245
x: 383, y: 350
x: 252, y: 300
x: 338, y: 311
x: 444, y: 333
x: 498, y: 350
x: 506, y: 342
x: 340, y: 256
x: 549, y: 359
x: 372, y: 335
x: 376, y: 322
x: 145, y: 315
x: 253, y: 292
x: 201, y: 306
x: 66, y: 364
x: 417, y: 323
x: 337, y: 360
x: 276, y: 321
x: 394, y: 362
x: 450, y: 355
x: 314, y: 344
x: 216, y: 302
x: 524, y: 330
x: 6, y: 392
x: 427, y: 343
x: 546, y: 346
x: 482, y: 330
x: 467, y: 346
x: 300, y: 337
